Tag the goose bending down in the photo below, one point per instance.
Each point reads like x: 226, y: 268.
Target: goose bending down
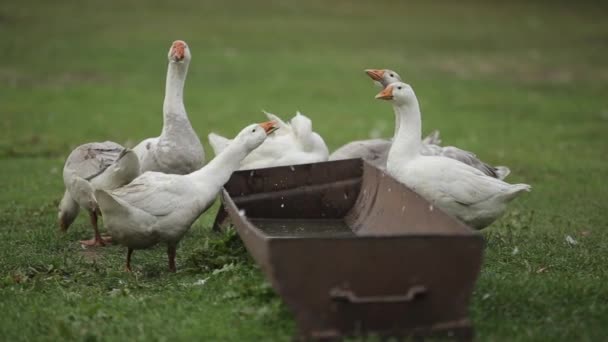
x: 376, y: 150
x: 178, y: 149
x: 294, y: 143
x: 99, y: 165
x: 459, y: 189
x: 158, y: 207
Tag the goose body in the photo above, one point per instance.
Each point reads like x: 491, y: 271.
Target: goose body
x: 376, y: 150
x: 293, y: 143
x: 178, y: 149
x: 459, y: 189
x: 157, y: 207
x: 99, y: 165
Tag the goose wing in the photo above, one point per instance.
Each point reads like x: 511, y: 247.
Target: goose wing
x: 456, y: 182
x: 90, y: 160
x: 155, y: 193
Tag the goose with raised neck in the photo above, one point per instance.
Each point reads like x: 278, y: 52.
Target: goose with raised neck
x: 178, y: 149
x: 376, y: 150
x: 158, y: 207
x: 457, y: 188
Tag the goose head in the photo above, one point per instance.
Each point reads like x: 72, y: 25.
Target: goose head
x: 254, y: 135
x: 179, y: 52
x: 383, y: 77
x: 400, y: 93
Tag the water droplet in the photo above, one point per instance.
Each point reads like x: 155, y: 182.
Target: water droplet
x: 431, y: 207
x: 242, y: 212
x: 282, y: 205
x: 292, y: 168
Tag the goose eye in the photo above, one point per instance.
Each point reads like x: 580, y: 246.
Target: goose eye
x: 253, y: 130
x: 399, y: 88
x: 392, y: 75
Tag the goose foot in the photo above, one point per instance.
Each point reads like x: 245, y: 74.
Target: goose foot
x: 100, y: 241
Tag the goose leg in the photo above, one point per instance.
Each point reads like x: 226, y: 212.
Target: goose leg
x: 98, y: 240
x: 171, y: 249
x: 128, y: 266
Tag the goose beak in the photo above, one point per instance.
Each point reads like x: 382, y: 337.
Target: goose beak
x: 375, y: 74
x: 178, y: 50
x: 269, y: 126
x: 386, y: 93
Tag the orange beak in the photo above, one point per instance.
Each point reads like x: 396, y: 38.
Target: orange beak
x: 386, y: 93
x: 375, y: 74
x: 178, y: 50
x: 269, y: 126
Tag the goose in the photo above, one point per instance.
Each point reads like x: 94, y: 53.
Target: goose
x: 98, y: 165
x: 459, y: 189
x: 376, y: 150
x: 158, y: 207
x: 178, y: 149
x: 293, y: 143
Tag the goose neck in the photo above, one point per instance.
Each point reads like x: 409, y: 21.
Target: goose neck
x: 173, y: 106
x: 218, y: 171
x: 407, y: 140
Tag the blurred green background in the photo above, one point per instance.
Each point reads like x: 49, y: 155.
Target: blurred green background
x: 519, y: 83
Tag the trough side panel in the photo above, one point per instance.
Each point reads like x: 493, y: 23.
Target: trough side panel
x: 387, y: 207
x: 255, y: 242
x: 393, y: 285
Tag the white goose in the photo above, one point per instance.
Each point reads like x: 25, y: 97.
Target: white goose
x: 178, y: 149
x: 294, y: 143
x: 99, y: 165
x: 459, y: 189
x: 158, y: 207
x: 376, y: 150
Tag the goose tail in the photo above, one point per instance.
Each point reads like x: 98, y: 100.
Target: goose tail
x: 432, y: 139
x: 218, y: 143
x: 502, y: 172
x: 515, y: 190
x: 302, y: 125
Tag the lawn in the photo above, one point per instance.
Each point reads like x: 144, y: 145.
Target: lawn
x: 521, y: 84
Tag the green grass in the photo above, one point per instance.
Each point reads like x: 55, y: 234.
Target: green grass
x: 521, y: 84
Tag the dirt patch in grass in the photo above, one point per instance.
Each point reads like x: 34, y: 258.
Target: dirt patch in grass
x: 91, y: 254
